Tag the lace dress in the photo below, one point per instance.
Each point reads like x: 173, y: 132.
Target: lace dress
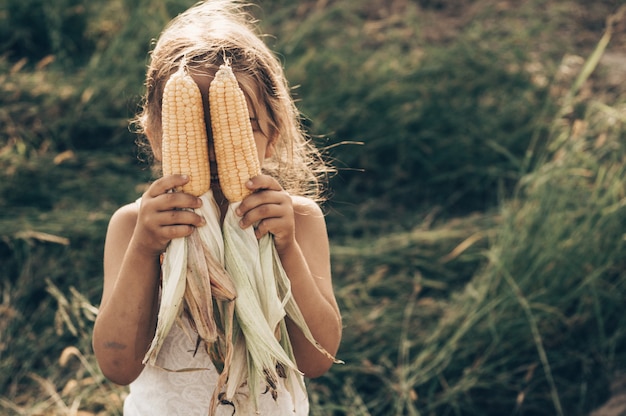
x: 158, y: 392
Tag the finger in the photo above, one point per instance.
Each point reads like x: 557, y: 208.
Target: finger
x: 260, y: 212
x: 167, y: 183
x: 274, y: 226
x: 176, y: 200
x: 176, y: 231
x: 180, y: 217
x: 263, y: 182
x: 262, y: 228
x: 263, y: 197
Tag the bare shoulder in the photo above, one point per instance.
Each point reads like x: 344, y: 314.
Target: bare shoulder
x: 306, y: 207
x: 124, y: 218
x: 309, y: 217
x: 121, y: 228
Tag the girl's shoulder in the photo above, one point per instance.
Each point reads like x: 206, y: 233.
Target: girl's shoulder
x: 305, y: 206
x: 125, y: 216
x: 308, y: 213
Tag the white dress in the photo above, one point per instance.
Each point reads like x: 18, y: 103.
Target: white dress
x: 157, y: 392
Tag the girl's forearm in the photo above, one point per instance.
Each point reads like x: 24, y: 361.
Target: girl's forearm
x: 127, y: 320
x: 319, y: 310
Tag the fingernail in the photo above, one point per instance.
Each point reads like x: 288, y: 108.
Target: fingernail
x: 202, y: 221
x: 249, y: 184
x: 241, y: 224
x: 185, y: 177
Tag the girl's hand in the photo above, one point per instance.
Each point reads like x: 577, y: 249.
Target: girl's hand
x: 271, y: 209
x: 164, y: 215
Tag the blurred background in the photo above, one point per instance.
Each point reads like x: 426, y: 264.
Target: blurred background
x: 477, y: 218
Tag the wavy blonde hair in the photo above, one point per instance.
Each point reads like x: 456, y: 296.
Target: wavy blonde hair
x: 206, y: 35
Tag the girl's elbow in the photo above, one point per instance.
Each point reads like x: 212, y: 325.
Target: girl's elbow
x: 314, y: 370
x: 316, y: 364
x: 119, y: 374
x: 117, y: 369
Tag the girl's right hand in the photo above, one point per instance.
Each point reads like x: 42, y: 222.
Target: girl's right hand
x: 165, y: 215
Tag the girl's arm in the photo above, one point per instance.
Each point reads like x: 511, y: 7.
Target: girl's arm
x: 300, y: 237
x: 135, y: 239
x: 307, y: 263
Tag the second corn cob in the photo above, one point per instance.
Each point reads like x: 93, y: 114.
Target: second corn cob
x: 233, y: 138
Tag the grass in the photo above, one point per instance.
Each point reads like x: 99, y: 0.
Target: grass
x: 537, y: 329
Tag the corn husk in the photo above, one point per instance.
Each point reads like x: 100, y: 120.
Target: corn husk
x: 264, y: 300
x: 193, y: 276
x: 173, y: 288
x: 258, y: 311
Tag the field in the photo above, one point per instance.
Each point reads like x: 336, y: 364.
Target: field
x: 477, y: 217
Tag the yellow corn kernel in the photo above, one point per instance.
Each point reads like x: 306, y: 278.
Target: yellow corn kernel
x: 184, y: 146
x: 233, y: 138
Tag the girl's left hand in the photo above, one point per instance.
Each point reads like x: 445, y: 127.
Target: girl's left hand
x: 270, y: 208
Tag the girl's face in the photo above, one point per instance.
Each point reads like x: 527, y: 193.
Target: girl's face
x: 258, y: 118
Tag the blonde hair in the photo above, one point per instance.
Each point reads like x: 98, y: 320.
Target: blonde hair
x: 206, y: 35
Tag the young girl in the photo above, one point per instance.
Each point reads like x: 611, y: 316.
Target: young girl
x: 282, y: 204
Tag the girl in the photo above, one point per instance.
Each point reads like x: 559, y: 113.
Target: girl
x: 283, y: 204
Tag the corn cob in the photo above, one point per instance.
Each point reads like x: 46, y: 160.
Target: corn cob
x: 233, y: 138
x: 173, y: 268
x: 185, y: 142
